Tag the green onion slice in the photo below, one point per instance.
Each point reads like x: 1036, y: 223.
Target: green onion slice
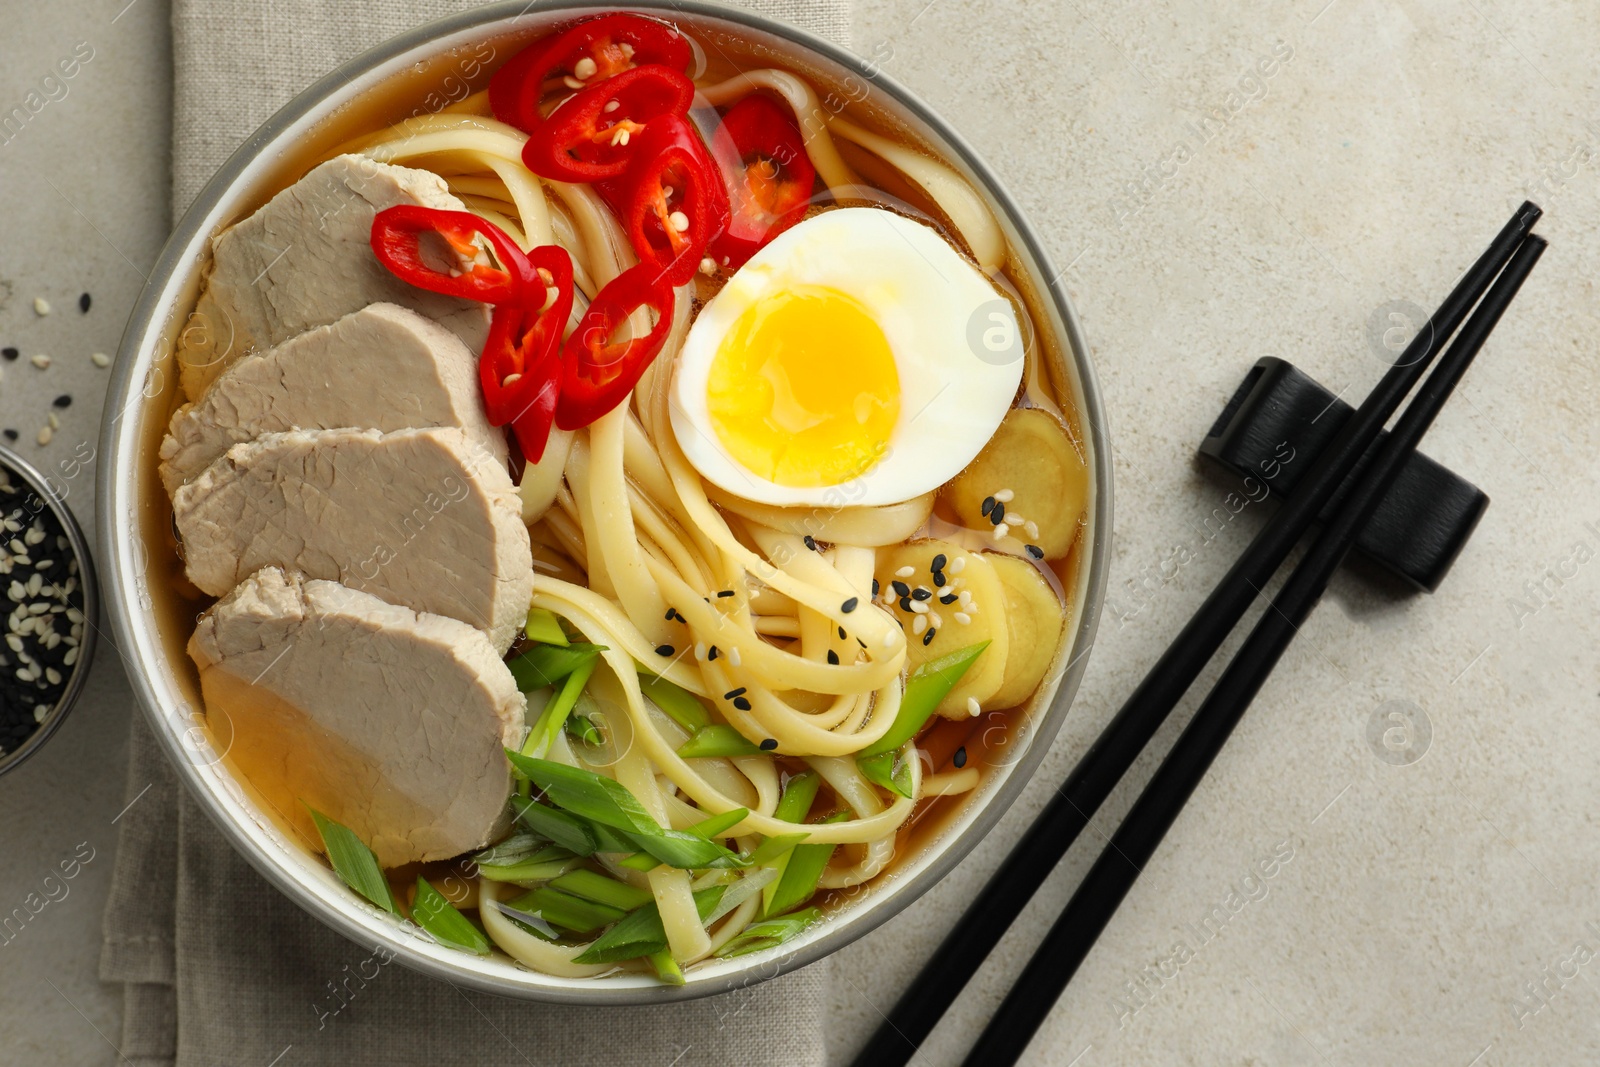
x: 354, y: 862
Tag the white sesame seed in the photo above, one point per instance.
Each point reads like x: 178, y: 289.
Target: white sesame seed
x: 708, y: 265
x: 70, y: 658
x: 1013, y: 520
x: 55, y: 421
x: 733, y: 656
x: 973, y: 707
x: 905, y: 572
x: 101, y: 359
x: 1001, y: 532
x: 15, y: 642
x: 935, y: 619
x: 41, y: 306
x: 584, y: 68
x: 611, y: 106
x: 919, y: 607
x: 1004, y: 496
x: 40, y: 360
x: 957, y: 565
x: 1032, y: 528
x: 700, y: 650
x: 17, y: 591
x: 40, y: 711
x: 571, y: 83
x: 52, y: 676
x: 919, y: 624
x: 35, y: 583
x: 972, y: 608
x: 963, y: 618
x: 38, y: 607
x: 33, y: 536
x: 45, y: 433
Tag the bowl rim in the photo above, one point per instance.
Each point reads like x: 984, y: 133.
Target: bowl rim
x: 45, y: 486
x: 221, y: 798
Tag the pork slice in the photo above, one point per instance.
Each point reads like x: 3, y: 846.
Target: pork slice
x: 384, y: 367
x: 305, y: 259
x: 389, y: 721
x: 420, y: 518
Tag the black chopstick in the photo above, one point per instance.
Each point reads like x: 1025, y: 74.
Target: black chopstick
x: 1074, y: 932
x: 998, y: 904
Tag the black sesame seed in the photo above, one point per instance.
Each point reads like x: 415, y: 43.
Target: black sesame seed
x: 842, y: 634
x: 849, y: 605
x: 988, y: 504
x: 900, y: 588
x: 833, y: 657
x: 12, y: 435
x: 938, y: 563
x: 1036, y: 552
x: 921, y: 593
x: 875, y: 587
x: 730, y: 694
x: 811, y: 542
x: 83, y: 303
x: 938, y: 579
x: 721, y: 593
x: 960, y: 758
x: 672, y: 613
x: 742, y: 703
x: 905, y: 603
x: 948, y: 598
x: 998, y: 515
x: 860, y: 642
x: 664, y: 650
x: 9, y: 352
x: 927, y: 637
x: 712, y: 653
x: 769, y: 744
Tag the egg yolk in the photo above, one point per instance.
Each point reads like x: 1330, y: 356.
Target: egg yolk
x: 803, y: 389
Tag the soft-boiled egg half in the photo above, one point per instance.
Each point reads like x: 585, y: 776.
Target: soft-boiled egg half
x: 841, y: 355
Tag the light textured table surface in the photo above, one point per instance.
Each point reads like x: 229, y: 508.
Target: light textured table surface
x: 1438, y: 902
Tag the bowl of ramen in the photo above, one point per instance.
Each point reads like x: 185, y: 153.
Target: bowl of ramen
x: 609, y: 504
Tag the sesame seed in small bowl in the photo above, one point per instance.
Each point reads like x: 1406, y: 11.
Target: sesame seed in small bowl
x: 49, y: 609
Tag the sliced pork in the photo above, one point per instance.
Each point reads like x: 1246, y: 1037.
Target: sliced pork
x: 384, y: 367
x: 389, y: 721
x: 305, y: 260
x: 422, y: 518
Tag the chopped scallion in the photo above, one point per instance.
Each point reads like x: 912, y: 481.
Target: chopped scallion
x: 926, y: 686
x: 682, y: 706
x: 801, y: 873
x: 769, y: 933
x: 597, y: 887
x: 438, y: 916
x: 544, y: 627
x: 354, y: 862
x: 717, y: 740
x: 544, y: 665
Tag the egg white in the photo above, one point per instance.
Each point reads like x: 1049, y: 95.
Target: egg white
x: 924, y: 296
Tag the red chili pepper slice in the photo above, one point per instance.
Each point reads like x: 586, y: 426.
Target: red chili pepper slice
x: 612, y: 43
x: 520, y: 371
x: 672, y: 202
x: 397, y: 240
x: 600, y: 373
x: 587, y: 139
x: 769, y: 176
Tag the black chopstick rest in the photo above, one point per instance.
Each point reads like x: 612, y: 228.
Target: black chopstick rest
x: 1424, y: 520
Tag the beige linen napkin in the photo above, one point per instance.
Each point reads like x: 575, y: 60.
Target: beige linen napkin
x: 218, y: 967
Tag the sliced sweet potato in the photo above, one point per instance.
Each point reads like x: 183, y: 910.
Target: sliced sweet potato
x: 1034, y: 621
x: 1030, y: 456
x: 983, y: 607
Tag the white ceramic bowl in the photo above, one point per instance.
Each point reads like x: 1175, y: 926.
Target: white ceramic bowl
x: 138, y: 565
